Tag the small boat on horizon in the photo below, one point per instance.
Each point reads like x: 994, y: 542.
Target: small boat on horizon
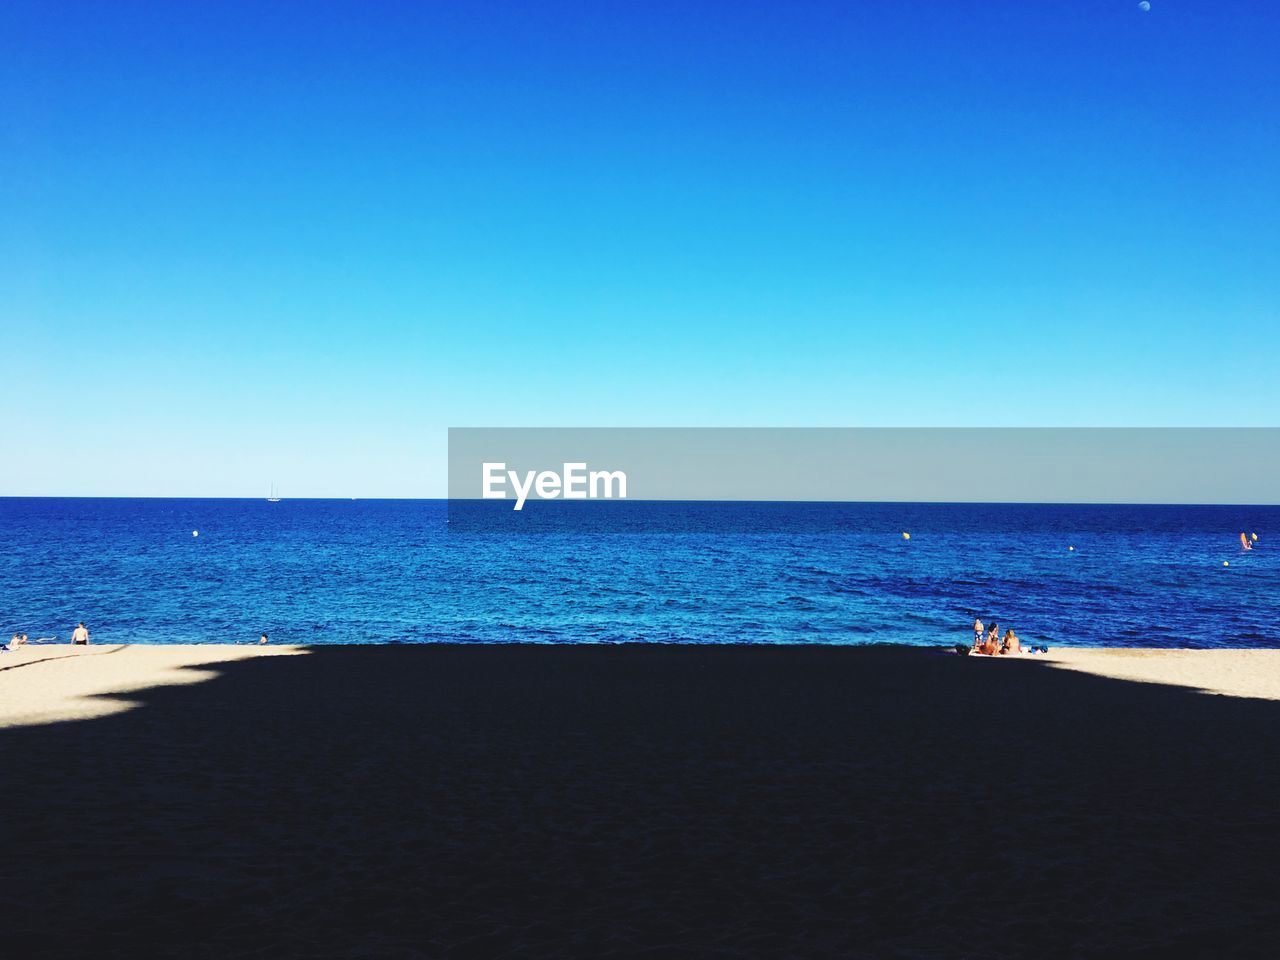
x: 274, y: 498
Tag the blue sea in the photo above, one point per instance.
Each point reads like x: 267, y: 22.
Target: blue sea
x: 384, y: 571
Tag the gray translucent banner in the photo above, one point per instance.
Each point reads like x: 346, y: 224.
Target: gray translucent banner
x: 525, y: 466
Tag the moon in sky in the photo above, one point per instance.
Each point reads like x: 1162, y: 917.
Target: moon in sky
x: 1144, y: 6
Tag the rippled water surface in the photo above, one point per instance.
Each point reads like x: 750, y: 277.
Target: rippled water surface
x: 339, y: 571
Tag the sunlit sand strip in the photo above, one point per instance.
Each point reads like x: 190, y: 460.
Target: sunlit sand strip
x: 1232, y: 673
x: 47, y: 684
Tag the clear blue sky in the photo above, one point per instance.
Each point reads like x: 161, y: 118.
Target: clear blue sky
x: 251, y: 242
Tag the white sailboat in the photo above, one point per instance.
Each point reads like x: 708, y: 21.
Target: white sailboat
x: 273, y: 498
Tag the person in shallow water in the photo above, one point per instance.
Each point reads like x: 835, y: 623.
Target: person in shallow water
x: 262, y: 639
x: 80, y: 634
x: 977, y: 631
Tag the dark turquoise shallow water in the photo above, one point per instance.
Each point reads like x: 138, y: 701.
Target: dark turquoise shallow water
x: 340, y: 571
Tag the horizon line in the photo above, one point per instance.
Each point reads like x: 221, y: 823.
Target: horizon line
x: 341, y: 499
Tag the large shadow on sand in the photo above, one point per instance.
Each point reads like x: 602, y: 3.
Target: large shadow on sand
x: 646, y: 801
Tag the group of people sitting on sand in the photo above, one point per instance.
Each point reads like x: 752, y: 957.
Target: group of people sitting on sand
x: 989, y: 643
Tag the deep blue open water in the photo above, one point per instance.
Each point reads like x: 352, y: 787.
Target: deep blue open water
x: 376, y: 571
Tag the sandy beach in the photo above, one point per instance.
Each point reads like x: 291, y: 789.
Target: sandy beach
x: 521, y: 801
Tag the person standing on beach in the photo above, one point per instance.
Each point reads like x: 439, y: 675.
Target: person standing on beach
x: 977, y: 632
x: 80, y: 634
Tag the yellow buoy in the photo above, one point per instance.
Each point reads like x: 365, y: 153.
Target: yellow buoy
x: 905, y: 535
x: 1253, y: 537
x: 1226, y: 563
x: 1070, y: 548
